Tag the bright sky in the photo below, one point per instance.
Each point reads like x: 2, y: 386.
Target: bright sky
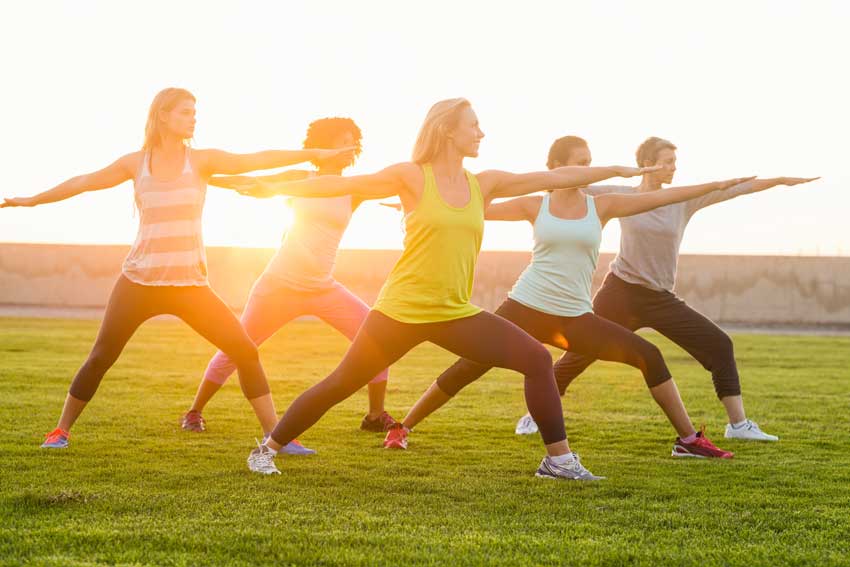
x: 743, y: 88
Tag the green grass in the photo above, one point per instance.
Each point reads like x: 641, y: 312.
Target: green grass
x: 133, y: 490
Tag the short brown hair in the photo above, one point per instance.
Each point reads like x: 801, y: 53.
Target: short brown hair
x: 647, y: 152
x: 562, y: 148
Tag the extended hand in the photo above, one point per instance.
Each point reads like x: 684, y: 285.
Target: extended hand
x: 789, y: 181
x: 623, y: 171
x: 16, y: 202
x: 251, y: 187
x: 347, y: 152
x: 396, y: 206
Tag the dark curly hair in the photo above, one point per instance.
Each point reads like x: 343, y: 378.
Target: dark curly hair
x: 321, y: 133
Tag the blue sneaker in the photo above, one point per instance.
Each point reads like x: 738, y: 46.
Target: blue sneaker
x: 56, y: 439
x: 294, y: 447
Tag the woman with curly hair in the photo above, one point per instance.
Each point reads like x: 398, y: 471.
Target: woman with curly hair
x: 426, y: 297
x: 299, y: 279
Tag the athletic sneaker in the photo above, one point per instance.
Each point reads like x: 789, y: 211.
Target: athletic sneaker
x: 294, y: 447
x: 56, y: 439
x: 379, y: 424
x: 193, y: 421
x: 701, y: 448
x: 396, y: 437
x: 526, y: 425
x: 571, y: 470
x: 261, y: 460
x: 750, y: 431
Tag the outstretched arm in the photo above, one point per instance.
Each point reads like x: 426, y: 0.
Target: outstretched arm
x: 237, y: 181
x: 218, y: 161
x: 613, y: 205
x: 385, y: 183
x: 745, y: 188
x: 496, y: 183
x: 114, y: 174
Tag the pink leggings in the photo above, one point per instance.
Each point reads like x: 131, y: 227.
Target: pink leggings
x: 266, y: 313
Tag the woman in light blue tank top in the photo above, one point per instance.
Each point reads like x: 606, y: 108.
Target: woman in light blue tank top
x: 551, y: 300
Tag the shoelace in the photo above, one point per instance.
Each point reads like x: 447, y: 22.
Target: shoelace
x: 264, y: 458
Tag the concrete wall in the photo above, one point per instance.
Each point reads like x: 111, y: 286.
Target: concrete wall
x: 751, y: 290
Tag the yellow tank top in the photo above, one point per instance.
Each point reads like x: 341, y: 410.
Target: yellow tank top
x: 432, y: 281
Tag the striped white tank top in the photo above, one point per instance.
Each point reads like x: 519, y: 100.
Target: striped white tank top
x: 169, y: 249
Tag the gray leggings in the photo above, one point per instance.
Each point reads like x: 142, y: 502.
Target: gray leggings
x: 132, y: 304
x: 634, y: 306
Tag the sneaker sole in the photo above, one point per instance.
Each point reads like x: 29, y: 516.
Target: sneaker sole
x: 687, y: 455
x: 751, y: 438
x: 550, y: 477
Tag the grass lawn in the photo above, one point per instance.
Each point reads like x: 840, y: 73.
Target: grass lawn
x: 134, y: 490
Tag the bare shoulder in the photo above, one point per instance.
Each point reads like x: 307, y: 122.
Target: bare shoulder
x: 489, y: 178
x: 131, y: 162
x: 409, y: 173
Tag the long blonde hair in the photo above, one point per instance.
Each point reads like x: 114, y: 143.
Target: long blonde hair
x: 432, y: 137
x: 164, y: 101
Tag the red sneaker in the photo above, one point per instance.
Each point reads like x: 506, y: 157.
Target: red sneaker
x: 379, y: 424
x: 396, y: 437
x: 701, y: 448
x: 193, y: 421
x: 56, y: 439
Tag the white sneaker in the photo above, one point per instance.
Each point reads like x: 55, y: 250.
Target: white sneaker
x: 526, y: 425
x: 571, y: 470
x: 261, y: 460
x: 749, y: 431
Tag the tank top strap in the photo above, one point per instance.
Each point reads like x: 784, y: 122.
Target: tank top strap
x: 145, y: 169
x: 591, y: 208
x: 429, y: 181
x: 474, y: 187
x: 187, y: 163
x: 544, y: 207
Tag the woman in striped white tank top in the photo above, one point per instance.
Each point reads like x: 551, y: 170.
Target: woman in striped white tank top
x: 165, y: 271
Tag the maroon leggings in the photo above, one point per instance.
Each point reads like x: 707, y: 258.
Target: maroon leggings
x: 586, y: 334
x: 132, y: 304
x: 485, y: 338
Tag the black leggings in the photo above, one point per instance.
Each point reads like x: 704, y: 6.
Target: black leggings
x: 132, y: 304
x: 483, y: 337
x: 634, y: 306
x: 586, y: 334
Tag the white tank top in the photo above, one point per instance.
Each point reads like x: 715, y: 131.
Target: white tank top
x: 564, y: 258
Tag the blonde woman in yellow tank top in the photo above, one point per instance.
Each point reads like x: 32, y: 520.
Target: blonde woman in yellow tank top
x: 426, y: 297
x: 166, y: 272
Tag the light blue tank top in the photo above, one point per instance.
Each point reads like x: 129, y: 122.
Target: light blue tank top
x: 562, y: 264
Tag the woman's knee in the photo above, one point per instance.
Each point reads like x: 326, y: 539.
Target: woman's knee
x: 537, y: 361
x: 101, y: 358
x: 651, y: 363
x: 243, y: 353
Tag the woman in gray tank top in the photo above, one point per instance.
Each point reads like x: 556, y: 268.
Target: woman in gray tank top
x: 638, y: 290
